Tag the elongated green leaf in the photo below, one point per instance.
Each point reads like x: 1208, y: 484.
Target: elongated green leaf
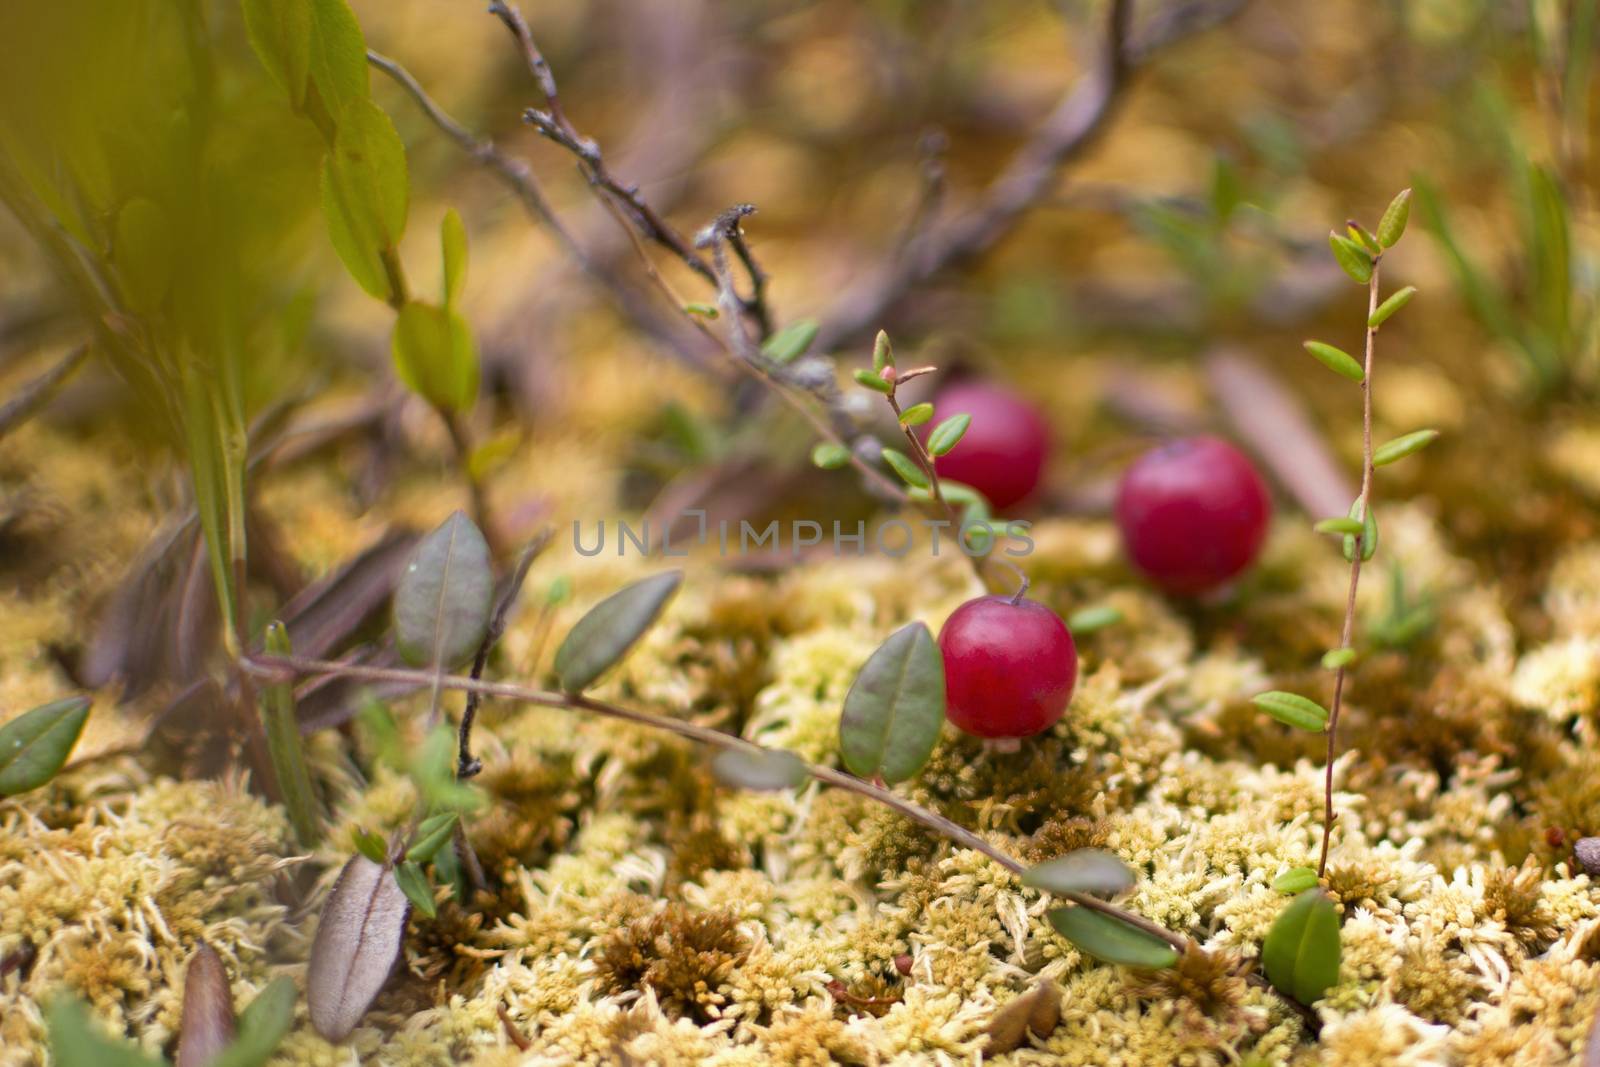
x: 603, y: 636
x: 948, y: 434
x: 364, y: 194
x: 338, y: 56
x: 431, y: 836
x: 767, y: 770
x: 1359, y: 234
x: 1369, y: 536
x: 144, y: 243
x: 372, y: 845
x: 1295, y: 880
x: 895, y: 708
x: 76, y: 1040
x: 882, y: 352
x: 906, y: 468
x: 1086, y: 870
x: 1401, y: 447
x: 1335, y: 658
x: 873, y: 382
x: 1351, y: 257
x: 916, y: 414
x: 282, y: 727
x: 830, y: 455
x: 262, y: 1026
x: 1088, y: 620
x: 36, y: 744
x: 1336, y: 359
x: 453, y: 249
x: 415, y: 885
x: 1397, y: 300
x: 435, y: 355
x: 1112, y: 940
x: 442, y: 603
x: 1394, y: 219
x: 1293, y: 709
x: 791, y: 342
x: 1340, y: 525
x: 1301, y: 952
x: 280, y: 33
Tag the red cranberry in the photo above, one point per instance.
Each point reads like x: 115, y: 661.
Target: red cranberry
x: 1003, y: 451
x: 1009, y: 668
x: 1193, y: 513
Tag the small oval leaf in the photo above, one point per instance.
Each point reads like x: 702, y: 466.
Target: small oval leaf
x: 762, y: 770
x: 453, y: 248
x: 882, y: 351
x: 1088, y: 620
x: 431, y: 836
x: 338, y: 55
x: 1369, y: 537
x: 872, y: 381
x: 280, y: 33
x: 1086, y: 870
x: 895, y: 708
x: 1339, y: 526
x: 1295, y: 880
x: 365, y: 190
x: 1301, y: 952
x: 36, y: 744
x: 435, y: 355
x: 1335, y: 658
x: 791, y: 342
x: 442, y: 604
x: 1292, y: 709
x: 1335, y: 359
x: 1394, y: 219
x: 1401, y: 447
x: 1112, y: 940
x: 358, y: 940
x: 908, y: 471
x: 830, y: 455
x: 415, y: 885
x: 916, y: 414
x: 948, y: 434
x: 206, y: 1027
x: 1351, y: 257
x: 1397, y: 300
x: 603, y: 636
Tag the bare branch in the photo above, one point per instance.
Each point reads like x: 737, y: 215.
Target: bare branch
x: 35, y: 394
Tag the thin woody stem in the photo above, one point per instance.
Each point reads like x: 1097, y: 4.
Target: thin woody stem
x: 271, y: 666
x: 1348, y: 631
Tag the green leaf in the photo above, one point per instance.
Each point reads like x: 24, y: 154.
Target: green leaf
x: 442, y: 603
x: 705, y: 311
x: 280, y: 33
x: 895, y: 708
x: 1394, y: 219
x: 431, y: 836
x: 453, y: 247
x: 35, y: 745
x: 1335, y: 658
x: 1401, y: 447
x: 1359, y: 234
x: 371, y: 845
x: 1293, y: 709
x: 1088, y: 620
x: 916, y: 414
x: 830, y: 455
x: 764, y: 770
x: 144, y: 241
x: 908, y: 471
x: 364, y: 194
x: 1295, y: 880
x: 1301, y: 952
x: 1336, y: 359
x: 435, y: 355
x: 262, y: 1026
x: 281, y: 725
x: 791, y: 342
x: 1397, y: 300
x: 415, y: 885
x: 947, y: 434
x: 1086, y: 870
x: 1351, y: 257
x: 882, y: 352
x: 873, y: 382
x: 1369, y: 536
x: 338, y: 56
x: 603, y: 636
x: 559, y: 590
x: 1112, y: 940
x: 1340, y: 525
x: 77, y: 1040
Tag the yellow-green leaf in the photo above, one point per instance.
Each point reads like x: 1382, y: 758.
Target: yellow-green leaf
x: 948, y: 433
x: 1401, y: 447
x: 1369, y: 534
x: 1351, y: 257
x: 882, y: 352
x: 1295, y: 880
x: 1292, y: 709
x: 435, y: 355
x: 338, y: 58
x: 830, y: 455
x: 453, y: 244
x: 1394, y: 219
x: 908, y: 471
x: 144, y: 253
x: 1336, y: 359
x: 280, y: 33
x: 916, y: 414
x: 1301, y: 952
x: 1397, y: 300
x: 364, y: 194
x: 789, y: 343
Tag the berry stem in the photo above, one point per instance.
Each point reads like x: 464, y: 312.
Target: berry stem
x: 1355, y: 573
x: 1022, y: 589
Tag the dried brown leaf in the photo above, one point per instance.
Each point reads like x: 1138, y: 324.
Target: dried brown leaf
x: 358, y: 940
x: 207, y: 1026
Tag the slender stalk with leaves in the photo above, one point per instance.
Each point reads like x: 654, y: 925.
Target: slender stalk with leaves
x: 1360, y: 254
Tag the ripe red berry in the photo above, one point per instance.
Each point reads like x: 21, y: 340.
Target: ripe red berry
x: 1009, y: 668
x: 1193, y: 514
x: 1003, y: 451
